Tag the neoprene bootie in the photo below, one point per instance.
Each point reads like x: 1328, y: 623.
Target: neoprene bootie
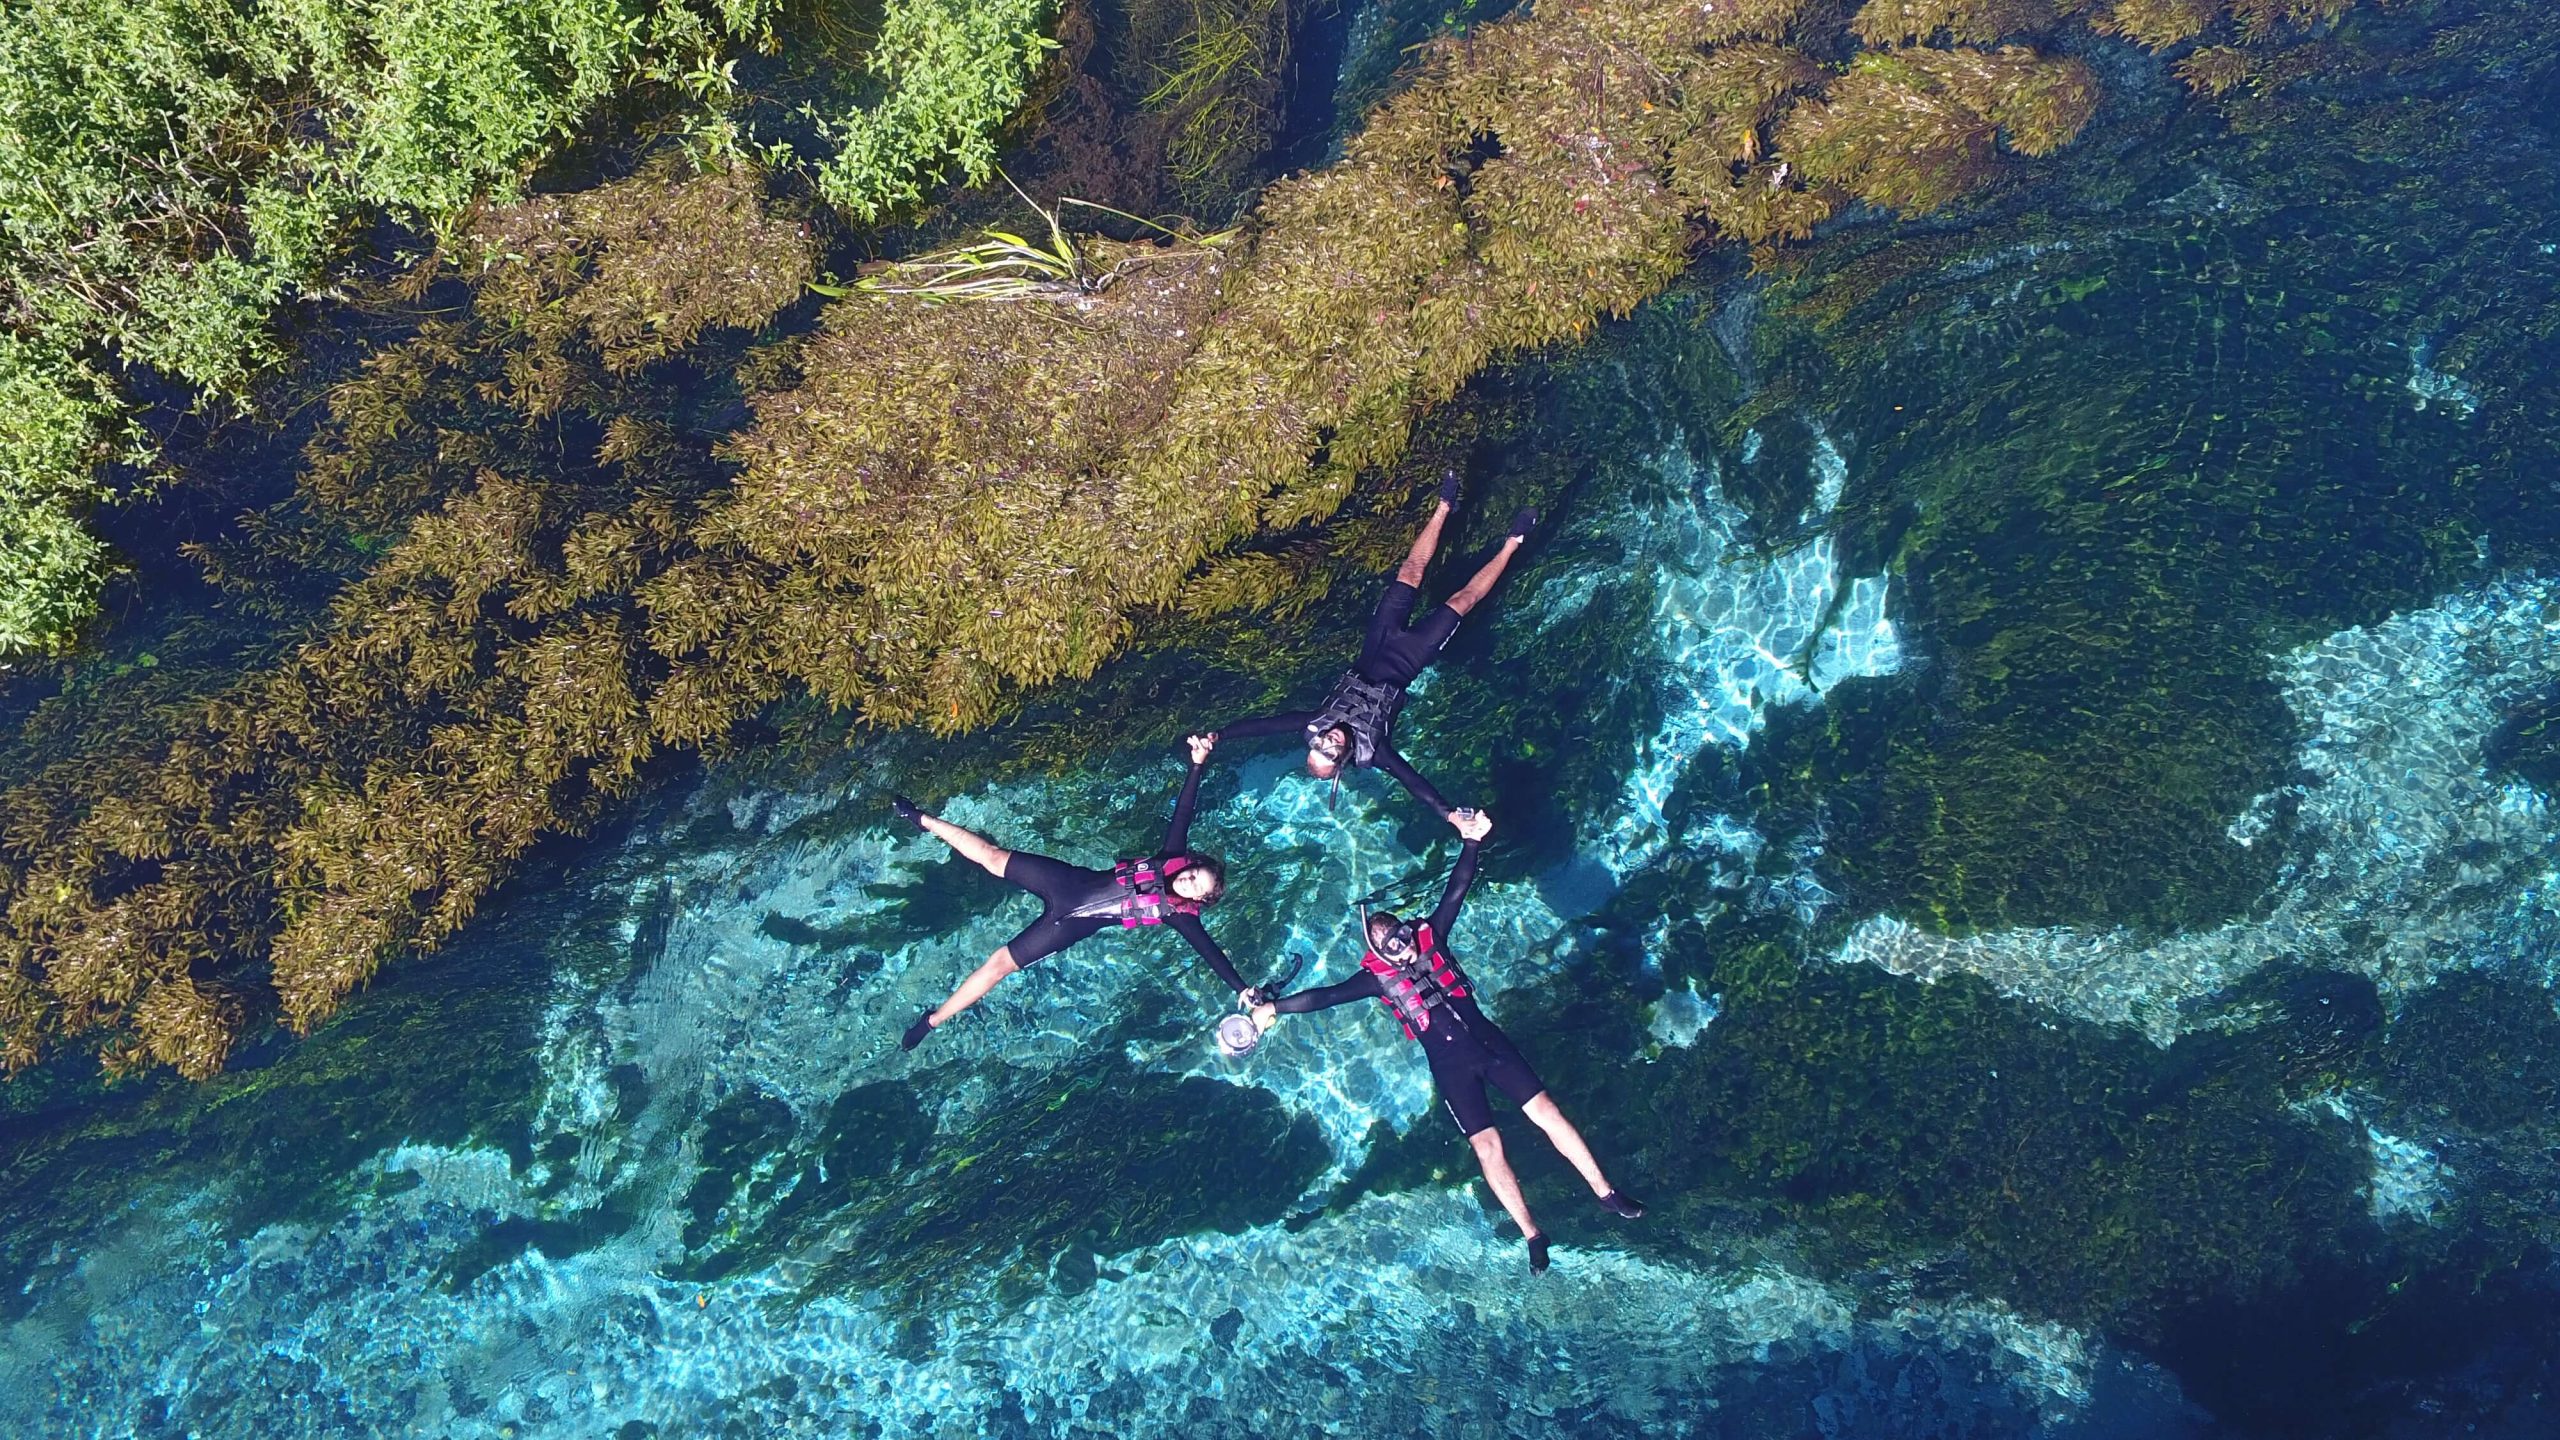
x: 1537, y: 1254
x: 1524, y: 522
x: 1449, y: 486
x: 907, y: 809
x: 916, y: 1032
x: 1622, y: 1205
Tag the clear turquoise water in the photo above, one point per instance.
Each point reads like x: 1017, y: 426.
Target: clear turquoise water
x: 2026, y: 835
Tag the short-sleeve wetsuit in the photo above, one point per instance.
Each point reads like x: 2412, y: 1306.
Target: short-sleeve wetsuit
x: 1466, y: 1055
x: 1392, y: 653
x: 1077, y: 902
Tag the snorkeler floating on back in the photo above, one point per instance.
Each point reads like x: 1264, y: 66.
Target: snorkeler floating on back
x: 1409, y: 968
x: 1168, y: 888
x: 1354, y: 727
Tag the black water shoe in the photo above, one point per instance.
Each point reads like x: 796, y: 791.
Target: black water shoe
x: 1537, y: 1254
x: 1449, y: 486
x: 907, y: 809
x: 916, y: 1032
x: 1524, y: 522
x: 1622, y: 1205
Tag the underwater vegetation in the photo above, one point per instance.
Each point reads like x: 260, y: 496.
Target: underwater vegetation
x: 532, y: 456
x: 2102, y: 569
x: 173, y: 172
x: 526, y: 636
x: 2164, y: 421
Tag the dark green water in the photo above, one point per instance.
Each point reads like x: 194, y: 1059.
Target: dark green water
x: 2023, y: 760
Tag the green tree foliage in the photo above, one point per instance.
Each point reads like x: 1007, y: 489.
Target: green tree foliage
x: 54, y: 423
x: 956, y: 70
x: 172, y: 169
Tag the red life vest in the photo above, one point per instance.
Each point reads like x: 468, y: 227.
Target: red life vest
x: 1146, y: 891
x: 1414, y: 990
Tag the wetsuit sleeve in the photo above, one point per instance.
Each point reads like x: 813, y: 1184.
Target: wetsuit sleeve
x: 1177, y: 836
x: 1394, y: 764
x: 1294, y: 722
x: 1190, y: 928
x: 1363, y: 986
x: 1460, y: 878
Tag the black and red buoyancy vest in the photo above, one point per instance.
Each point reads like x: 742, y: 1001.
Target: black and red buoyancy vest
x: 1419, y: 986
x: 1146, y: 892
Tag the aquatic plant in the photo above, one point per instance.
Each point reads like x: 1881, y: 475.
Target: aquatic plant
x: 276, y: 828
x: 1003, y: 266
x: 172, y: 171
x: 2101, y: 578
x: 955, y: 504
x: 1218, y: 89
x: 2082, y: 1173
x: 1945, y: 108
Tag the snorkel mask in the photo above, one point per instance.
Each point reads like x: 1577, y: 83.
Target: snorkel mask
x: 1398, y: 946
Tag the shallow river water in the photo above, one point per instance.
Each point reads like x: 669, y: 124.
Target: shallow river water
x: 2023, y: 766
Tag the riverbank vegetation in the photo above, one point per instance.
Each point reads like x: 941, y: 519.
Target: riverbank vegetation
x: 565, y: 563
x: 174, y: 171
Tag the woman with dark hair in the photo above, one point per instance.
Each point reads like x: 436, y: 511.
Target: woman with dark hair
x: 1168, y: 888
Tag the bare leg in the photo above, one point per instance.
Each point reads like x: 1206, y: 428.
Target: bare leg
x: 1543, y: 1113
x: 990, y: 856
x: 1482, y: 585
x: 1497, y: 1173
x: 1425, y: 545
x: 975, y: 988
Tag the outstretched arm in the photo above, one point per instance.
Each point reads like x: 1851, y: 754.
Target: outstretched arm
x: 1460, y: 877
x: 1363, y: 986
x: 1395, y: 764
x: 1177, y: 835
x: 1190, y: 928
x: 1294, y: 722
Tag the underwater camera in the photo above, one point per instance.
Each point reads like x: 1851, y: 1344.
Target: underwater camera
x: 1240, y: 1032
x: 1237, y: 1035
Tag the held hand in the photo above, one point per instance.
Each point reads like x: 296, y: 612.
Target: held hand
x: 1473, y: 824
x: 1201, y: 745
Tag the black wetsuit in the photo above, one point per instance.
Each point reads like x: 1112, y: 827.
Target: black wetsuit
x: 1467, y: 1050
x: 1065, y: 890
x: 1391, y: 654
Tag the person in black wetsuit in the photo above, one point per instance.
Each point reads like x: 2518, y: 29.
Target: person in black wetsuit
x: 1168, y: 888
x: 1409, y: 969
x: 1355, y: 725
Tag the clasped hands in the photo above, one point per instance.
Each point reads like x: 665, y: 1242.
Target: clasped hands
x: 1473, y: 824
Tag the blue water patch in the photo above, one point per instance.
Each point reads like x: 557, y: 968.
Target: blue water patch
x: 655, y: 1261
x: 1396, y: 1317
